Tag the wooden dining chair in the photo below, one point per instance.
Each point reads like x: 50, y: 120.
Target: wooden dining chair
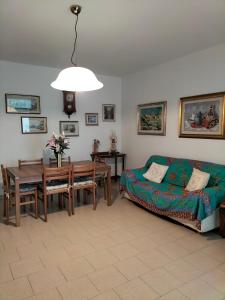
x: 26, y: 191
x: 56, y: 181
x: 101, y: 176
x: 83, y: 178
x: 53, y: 161
x: 30, y: 162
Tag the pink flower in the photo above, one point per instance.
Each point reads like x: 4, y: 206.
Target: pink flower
x: 51, y: 143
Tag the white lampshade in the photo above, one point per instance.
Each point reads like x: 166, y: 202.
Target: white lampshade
x: 76, y: 79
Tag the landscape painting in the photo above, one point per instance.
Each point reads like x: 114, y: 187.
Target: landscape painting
x: 151, y: 118
x: 22, y: 104
x: 69, y: 128
x: 202, y: 116
x: 31, y: 125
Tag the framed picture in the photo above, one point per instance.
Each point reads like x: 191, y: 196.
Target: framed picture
x: 108, y: 112
x: 69, y: 128
x: 31, y: 125
x: 151, y: 118
x: 91, y: 119
x: 202, y: 116
x: 22, y: 104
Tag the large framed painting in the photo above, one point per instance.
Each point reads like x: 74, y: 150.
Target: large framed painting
x: 151, y: 118
x: 202, y: 116
x: 22, y: 104
x: 109, y: 112
x: 69, y: 128
x: 31, y: 125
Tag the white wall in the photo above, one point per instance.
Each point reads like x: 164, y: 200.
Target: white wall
x: 35, y: 80
x: 199, y: 73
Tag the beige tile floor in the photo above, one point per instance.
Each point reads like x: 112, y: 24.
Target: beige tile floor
x: 118, y: 252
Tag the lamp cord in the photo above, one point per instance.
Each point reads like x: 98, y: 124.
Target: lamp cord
x: 75, y: 42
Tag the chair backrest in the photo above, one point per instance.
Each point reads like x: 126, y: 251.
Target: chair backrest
x: 53, y: 161
x: 56, y: 174
x: 85, y: 170
x: 5, y: 179
x: 30, y: 162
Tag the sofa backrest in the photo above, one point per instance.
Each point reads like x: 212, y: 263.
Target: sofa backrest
x: 180, y: 170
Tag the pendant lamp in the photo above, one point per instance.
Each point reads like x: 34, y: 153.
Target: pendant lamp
x: 76, y: 79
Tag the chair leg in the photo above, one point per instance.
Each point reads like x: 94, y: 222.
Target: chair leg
x: 94, y: 200
x: 105, y: 189
x: 7, y: 200
x: 72, y: 201
x: 45, y: 207
x: 36, y: 204
x: 69, y: 203
x: 4, y: 205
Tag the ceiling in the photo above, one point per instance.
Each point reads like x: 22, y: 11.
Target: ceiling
x: 115, y: 37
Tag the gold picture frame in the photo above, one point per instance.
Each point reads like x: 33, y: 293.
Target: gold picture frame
x: 151, y: 118
x: 202, y: 116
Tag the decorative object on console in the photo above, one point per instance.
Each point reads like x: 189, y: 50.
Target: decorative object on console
x: 69, y: 128
x: 58, y: 143
x: 69, y: 103
x: 22, y: 104
x: 96, y: 144
x: 108, y: 112
x: 203, y: 116
x: 198, y: 181
x: 113, y: 140
x: 151, y: 118
x: 31, y: 125
x: 156, y: 172
x: 91, y: 119
x: 75, y: 78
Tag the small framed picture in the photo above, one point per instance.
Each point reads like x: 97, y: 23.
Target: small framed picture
x: 203, y: 116
x: 22, y: 104
x: 30, y: 125
x: 69, y: 128
x: 91, y: 119
x: 108, y: 112
x: 151, y: 118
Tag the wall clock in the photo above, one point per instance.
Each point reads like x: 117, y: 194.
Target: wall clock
x: 69, y: 103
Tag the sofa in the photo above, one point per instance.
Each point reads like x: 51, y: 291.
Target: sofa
x: 198, y: 209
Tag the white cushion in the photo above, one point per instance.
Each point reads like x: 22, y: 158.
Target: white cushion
x: 57, y: 187
x: 87, y: 182
x: 156, y: 172
x: 198, y: 180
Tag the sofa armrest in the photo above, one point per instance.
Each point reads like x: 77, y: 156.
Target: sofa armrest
x: 211, y: 198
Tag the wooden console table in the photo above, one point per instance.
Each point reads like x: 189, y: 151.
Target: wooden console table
x: 113, y: 155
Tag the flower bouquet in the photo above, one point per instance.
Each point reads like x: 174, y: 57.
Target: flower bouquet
x: 58, y: 143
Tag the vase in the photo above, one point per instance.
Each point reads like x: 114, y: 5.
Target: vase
x: 59, y: 160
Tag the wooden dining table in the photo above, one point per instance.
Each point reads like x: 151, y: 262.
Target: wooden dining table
x: 33, y: 174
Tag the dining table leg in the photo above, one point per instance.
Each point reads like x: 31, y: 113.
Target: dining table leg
x: 109, y: 188
x: 17, y: 200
